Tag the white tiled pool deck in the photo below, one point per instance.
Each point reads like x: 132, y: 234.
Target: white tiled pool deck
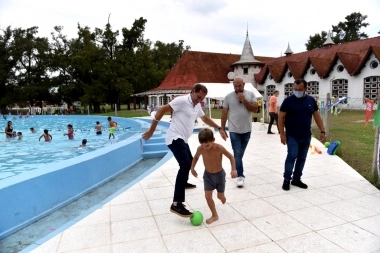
x: 339, y: 212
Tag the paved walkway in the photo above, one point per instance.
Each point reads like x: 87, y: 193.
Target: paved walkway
x: 339, y: 212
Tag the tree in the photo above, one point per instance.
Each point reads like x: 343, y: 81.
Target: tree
x: 6, y: 65
x: 350, y: 29
x: 316, y: 41
x: 344, y: 32
x: 31, y: 55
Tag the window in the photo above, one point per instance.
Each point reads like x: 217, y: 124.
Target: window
x: 340, y: 68
x: 270, y: 77
x: 270, y: 90
x: 371, y: 87
x: 313, y: 88
x: 245, y: 71
x: 153, y: 100
x: 312, y: 72
x: 374, y: 64
x: 288, y: 89
x: 339, y: 88
x: 290, y: 74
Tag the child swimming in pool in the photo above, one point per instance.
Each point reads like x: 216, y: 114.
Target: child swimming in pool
x: 19, y: 135
x: 84, y: 142
x: 32, y: 130
x: 46, y: 136
x: 98, y: 128
x: 70, y: 132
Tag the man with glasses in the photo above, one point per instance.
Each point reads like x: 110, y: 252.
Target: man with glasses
x: 185, y: 111
x: 295, y: 117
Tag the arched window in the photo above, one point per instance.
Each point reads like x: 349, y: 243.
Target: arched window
x: 153, y: 100
x: 270, y: 90
x: 313, y: 88
x: 339, y: 88
x: 288, y: 89
x: 371, y: 87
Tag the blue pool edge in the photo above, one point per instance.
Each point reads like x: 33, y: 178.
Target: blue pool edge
x: 29, y: 197
x: 97, y: 206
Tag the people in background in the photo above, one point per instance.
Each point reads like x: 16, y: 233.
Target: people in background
x: 32, y: 130
x: 273, y: 111
x: 70, y: 132
x: 112, y: 126
x: 9, y: 130
x: 84, y: 143
x: 98, y: 128
x: 46, y: 136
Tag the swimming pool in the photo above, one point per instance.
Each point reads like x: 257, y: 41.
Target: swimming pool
x: 18, y: 156
x: 31, y: 195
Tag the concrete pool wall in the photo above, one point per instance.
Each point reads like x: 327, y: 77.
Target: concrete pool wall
x: 28, y: 197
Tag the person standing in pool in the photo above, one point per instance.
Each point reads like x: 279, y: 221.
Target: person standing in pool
x: 46, y: 136
x: 9, y: 130
x: 70, y: 132
x: 98, y: 128
x: 112, y: 125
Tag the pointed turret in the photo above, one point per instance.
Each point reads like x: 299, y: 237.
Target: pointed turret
x: 288, y: 51
x: 328, y: 42
x: 247, y: 56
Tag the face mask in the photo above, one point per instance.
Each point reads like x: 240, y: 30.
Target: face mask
x: 298, y: 94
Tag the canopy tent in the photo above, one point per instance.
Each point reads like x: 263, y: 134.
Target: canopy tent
x: 220, y: 90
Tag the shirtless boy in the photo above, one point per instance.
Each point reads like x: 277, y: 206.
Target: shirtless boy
x: 46, y: 136
x: 214, y: 176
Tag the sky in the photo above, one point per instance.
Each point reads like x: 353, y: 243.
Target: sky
x: 205, y: 25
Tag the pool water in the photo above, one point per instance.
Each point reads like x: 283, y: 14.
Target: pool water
x: 29, y: 153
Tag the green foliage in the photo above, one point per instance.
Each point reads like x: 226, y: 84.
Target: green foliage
x: 95, y: 67
x: 346, y: 31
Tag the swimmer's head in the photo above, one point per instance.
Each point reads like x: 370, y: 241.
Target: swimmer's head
x: 70, y: 126
x: 109, y: 119
x: 31, y: 129
x: 84, y: 142
x: 19, y: 134
x: 46, y: 131
x: 97, y: 122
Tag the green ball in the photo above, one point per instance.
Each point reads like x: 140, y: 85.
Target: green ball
x: 197, y: 218
x: 327, y: 144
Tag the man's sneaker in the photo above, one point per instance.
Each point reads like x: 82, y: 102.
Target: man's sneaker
x: 240, y: 182
x: 190, y: 186
x: 180, y: 210
x: 299, y: 184
x: 270, y: 133
x: 285, y: 185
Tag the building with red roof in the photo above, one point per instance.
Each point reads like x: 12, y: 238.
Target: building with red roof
x: 344, y: 70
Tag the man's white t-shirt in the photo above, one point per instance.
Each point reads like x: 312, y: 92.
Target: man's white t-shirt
x: 184, y: 115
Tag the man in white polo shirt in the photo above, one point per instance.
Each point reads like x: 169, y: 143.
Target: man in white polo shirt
x: 185, y: 110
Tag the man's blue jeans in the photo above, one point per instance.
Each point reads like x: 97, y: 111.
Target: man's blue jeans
x: 297, y: 153
x: 182, y: 154
x: 239, y: 142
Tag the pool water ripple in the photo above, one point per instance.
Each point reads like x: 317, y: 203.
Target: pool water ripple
x: 27, y: 154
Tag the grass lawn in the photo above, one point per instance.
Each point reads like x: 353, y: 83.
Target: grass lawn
x: 357, y: 141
